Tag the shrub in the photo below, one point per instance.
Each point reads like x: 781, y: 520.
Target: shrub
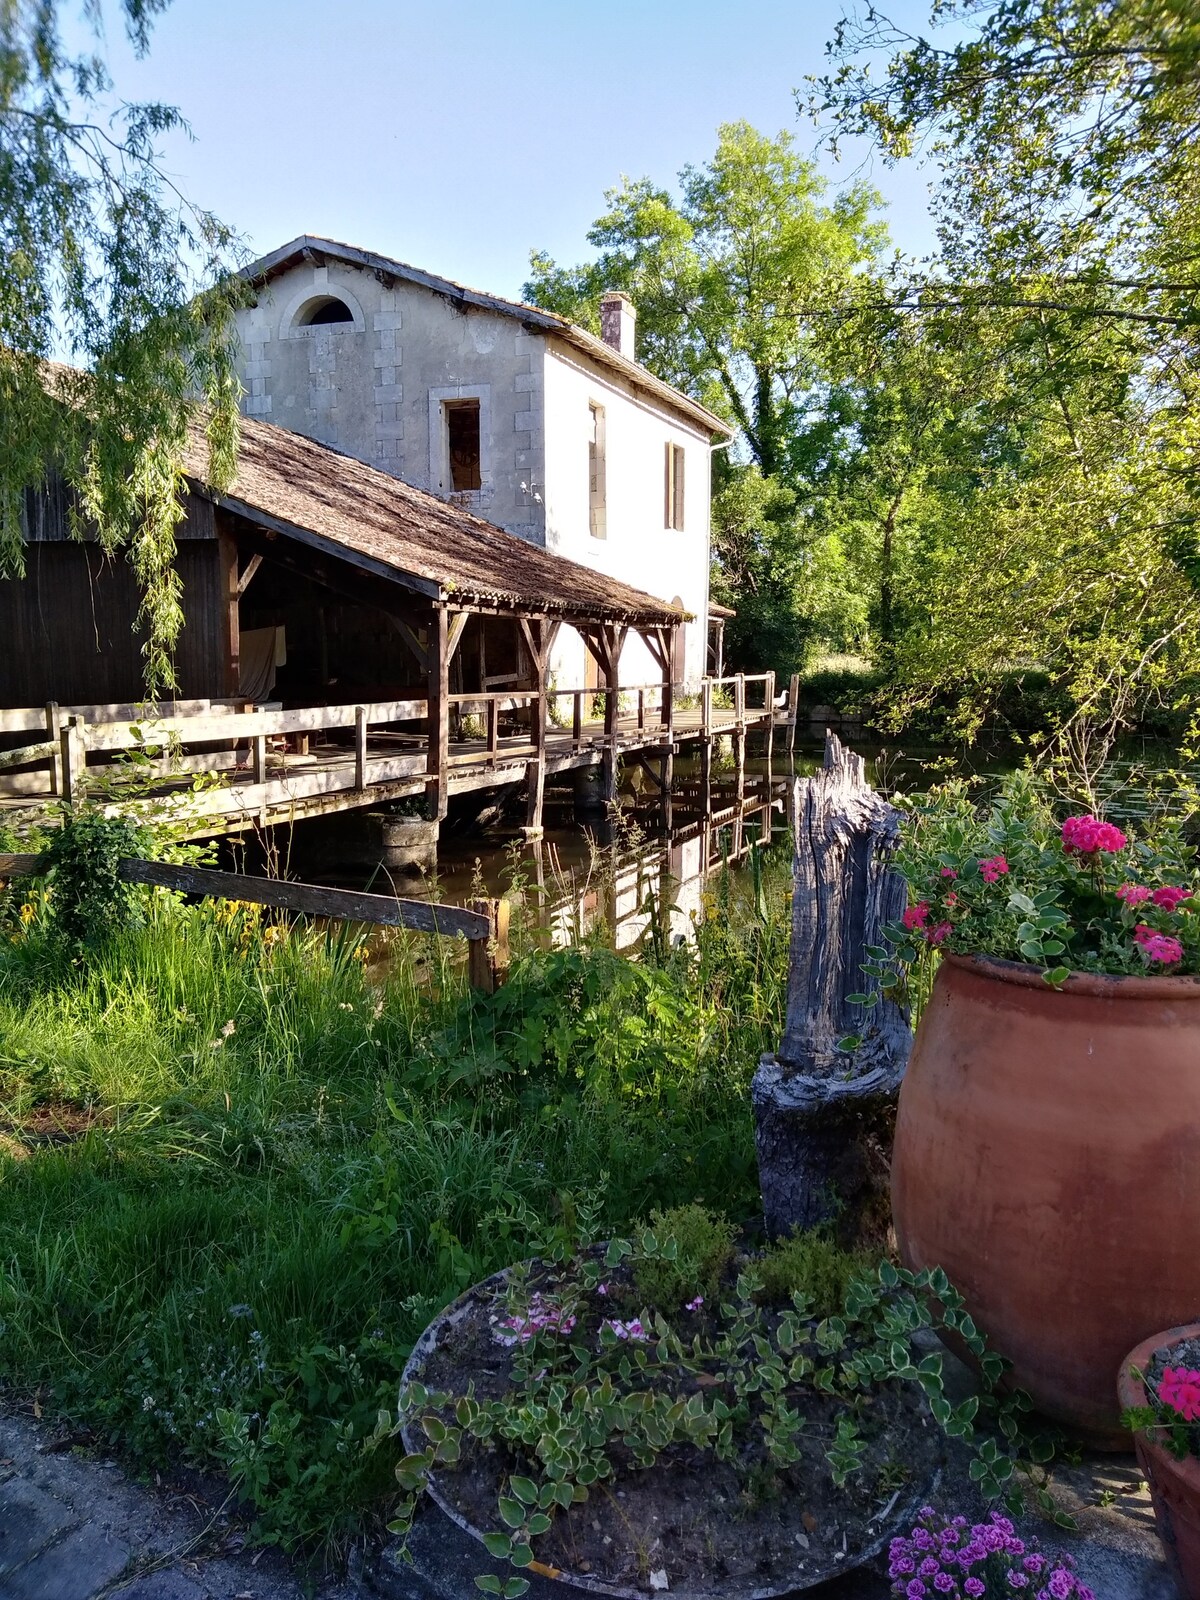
x: 703, y: 1249
x: 811, y: 1264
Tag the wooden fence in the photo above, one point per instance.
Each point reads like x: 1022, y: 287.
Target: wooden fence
x: 484, y: 924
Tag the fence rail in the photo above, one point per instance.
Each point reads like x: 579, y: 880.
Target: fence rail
x: 484, y: 924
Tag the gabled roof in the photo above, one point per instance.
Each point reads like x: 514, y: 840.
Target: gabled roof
x: 385, y: 527
x: 309, y: 246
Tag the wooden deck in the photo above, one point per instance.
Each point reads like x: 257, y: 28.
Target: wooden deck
x: 216, y: 768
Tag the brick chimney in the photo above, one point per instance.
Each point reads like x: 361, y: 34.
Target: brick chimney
x: 618, y: 322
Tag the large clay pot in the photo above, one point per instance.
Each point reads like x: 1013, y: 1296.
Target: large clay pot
x: 1174, y: 1484
x: 1047, y: 1157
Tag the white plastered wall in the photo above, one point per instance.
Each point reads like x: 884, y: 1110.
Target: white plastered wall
x: 639, y: 549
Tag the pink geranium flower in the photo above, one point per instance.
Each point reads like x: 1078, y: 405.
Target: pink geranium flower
x: 1157, y: 946
x: 915, y: 916
x: 994, y: 867
x: 1086, y: 835
x: 1180, y: 1389
x: 1168, y: 897
x: 1134, y: 894
x: 949, y: 872
x: 939, y: 934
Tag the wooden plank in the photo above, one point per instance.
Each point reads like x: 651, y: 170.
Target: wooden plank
x: 311, y: 899
x: 454, y: 632
x: 32, y: 719
x: 437, y: 760
x: 258, y: 749
x: 18, y: 866
x: 360, y: 748
x: 493, y: 730
x: 228, y: 557
x: 414, y: 644
x: 53, y: 730
x: 244, y: 725
x: 488, y: 957
x: 247, y: 577
x: 27, y: 753
x: 793, y: 711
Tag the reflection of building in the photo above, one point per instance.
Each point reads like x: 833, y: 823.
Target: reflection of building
x: 508, y: 410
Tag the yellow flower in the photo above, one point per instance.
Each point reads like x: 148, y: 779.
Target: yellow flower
x: 27, y: 913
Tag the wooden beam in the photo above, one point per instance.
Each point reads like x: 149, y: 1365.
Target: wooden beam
x: 247, y: 576
x: 488, y: 960
x: 228, y: 557
x: 360, y: 748
x: 454, y: 632
x: 411, y: 640
x: 438, y: 760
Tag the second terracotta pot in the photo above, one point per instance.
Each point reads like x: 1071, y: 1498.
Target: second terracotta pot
x: 1047, y: 1157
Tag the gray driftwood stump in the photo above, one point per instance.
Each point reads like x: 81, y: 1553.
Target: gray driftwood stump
x: 823, y: 1116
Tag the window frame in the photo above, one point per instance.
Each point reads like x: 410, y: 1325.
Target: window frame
x: 674, y: 496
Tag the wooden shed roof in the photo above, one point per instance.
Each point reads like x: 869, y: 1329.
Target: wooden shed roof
x: 384, y: 526
x: 311, y: 247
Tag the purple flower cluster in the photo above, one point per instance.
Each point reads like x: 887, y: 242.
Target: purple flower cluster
x: 543, y: 1316
x: 944, y: 1558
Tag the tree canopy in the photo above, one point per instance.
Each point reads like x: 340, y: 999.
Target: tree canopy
x: 105, y: 265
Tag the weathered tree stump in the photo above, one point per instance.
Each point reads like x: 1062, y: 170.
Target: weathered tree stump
x: 823, y: 1115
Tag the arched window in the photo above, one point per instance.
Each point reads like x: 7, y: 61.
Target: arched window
x: 325, y: 309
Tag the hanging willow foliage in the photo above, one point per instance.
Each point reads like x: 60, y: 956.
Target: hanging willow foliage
x: 103, y: 263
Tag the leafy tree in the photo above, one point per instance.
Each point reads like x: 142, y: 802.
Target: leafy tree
x: 102, y: 261
x: 721, y: 278
x: 1069, y: 214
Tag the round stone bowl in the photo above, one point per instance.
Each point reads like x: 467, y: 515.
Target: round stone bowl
x: 900, y: 1514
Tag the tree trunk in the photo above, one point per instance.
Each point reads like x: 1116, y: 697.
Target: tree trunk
x: 824, y: 1106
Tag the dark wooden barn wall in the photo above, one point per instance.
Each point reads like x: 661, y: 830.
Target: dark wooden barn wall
x: 66, y: 628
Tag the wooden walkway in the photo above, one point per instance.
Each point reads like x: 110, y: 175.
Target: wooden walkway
x: 218, y: 768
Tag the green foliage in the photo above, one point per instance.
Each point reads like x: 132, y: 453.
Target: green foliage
x: 809, y: 1264
x: 754, y: 1389
x: 100, y: 256
x: 276, y: 1171
x: 703, y: 1243
x: 90, y: 901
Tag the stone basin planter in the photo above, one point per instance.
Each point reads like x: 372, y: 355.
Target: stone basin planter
x: 1174, y: 1483
x: 1047, y: 1157
x: 818, y: 1560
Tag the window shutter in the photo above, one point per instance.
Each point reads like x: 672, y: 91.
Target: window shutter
x: 669, y: 500
x: 678, y: 452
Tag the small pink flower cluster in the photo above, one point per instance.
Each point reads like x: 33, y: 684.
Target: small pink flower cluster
x: 541, y: 1317
x: 1086, y: 835
x: 1180, y: 1389
x: 694, y: 1305
x: 915, y: 919
x: 1168, y: 898
x: 628, y: 1330
x: 1157, y: 946
x: 994, y: 867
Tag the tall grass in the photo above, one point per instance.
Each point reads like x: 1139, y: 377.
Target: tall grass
x: 289, y: 1163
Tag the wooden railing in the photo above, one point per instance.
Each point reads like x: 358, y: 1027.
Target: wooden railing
x: 484, y: 924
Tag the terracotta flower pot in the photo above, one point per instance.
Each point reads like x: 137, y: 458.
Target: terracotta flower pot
x: 1174, y: 1484
x: 1047, y: 1157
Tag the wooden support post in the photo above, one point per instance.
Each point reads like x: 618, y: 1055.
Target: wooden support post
x: 438, y: 758
x: 793, y: 711
x: 641, y: 710
x: 770, y: 693
x: 608, y: 774
x: 577, y: 720
x: 230, y: 580
x: 493, y: 730
x: 706, y: 697
x: 74, y: 759
x: 360, y: 748
x: 52, y: 733
x: 670, y: 647
x: 739, y: 699
x: 535, y: 792
x: 488, y: 959
x: 537, y: 639
x: 258, y: 754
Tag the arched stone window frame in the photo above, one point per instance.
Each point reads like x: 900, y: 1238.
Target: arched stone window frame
x: 290, y: 326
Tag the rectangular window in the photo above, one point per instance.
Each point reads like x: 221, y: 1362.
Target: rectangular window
x: 597, y: 515
x: 674, y: 495
x: 462, y: 443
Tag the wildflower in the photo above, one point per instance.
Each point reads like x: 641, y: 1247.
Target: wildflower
x: 951, y: 900
x: 1134, y: 894
x: 915, y: 916
x: 229, y: 1029
x: 1157, y: 946
x: 928, y: 1567
x: 694, y: 1305
x: 915, y: 1589
x: 944, y: 1582
x: 1180, y: 1389
x: 1168, y: 897
x: 994, y: 867
x: 1017, y: 1578
x: 541, y: 1316
x: 628, y: 1330
x: 975, y: 1587
x: 939, y: 934
x: 948, y: 872
x: 1086, y: 835
x: 1061, y: 1583
x: 601, y: 1288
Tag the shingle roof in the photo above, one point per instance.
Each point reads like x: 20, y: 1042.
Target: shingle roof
x: 308, y: 245
x: 383, y: 524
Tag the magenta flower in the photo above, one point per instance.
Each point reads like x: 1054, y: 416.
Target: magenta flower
x: 1180, y: 1389
x: 975, y: 1587
x: 694, y: 1305
x: 914, y: 917
x: 1157, y: 946
x: 1134, y: 894
x: 929, y: 1566
x: 1086, y: 835
x: 1168, y: 897
x: 949, y: 872
x: 628, y: 1330
x: 940, y: 934
x: 994, y: 867
x: 944, y: 1582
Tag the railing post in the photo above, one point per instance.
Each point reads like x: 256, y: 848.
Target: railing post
x: 793, y: 710
x: 770, y: 701
x: 258, y: 752
x: 577, y: 720
x: 641, y: 710
x: 739, y: 699
x: 53, y: 730
x: 74, y: 759
x: 706, y: 707
x: 360, y: 748
x: 488, y: 958
x: 493, y: 730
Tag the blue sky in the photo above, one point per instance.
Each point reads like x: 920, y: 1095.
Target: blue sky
x: 460, y: 135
